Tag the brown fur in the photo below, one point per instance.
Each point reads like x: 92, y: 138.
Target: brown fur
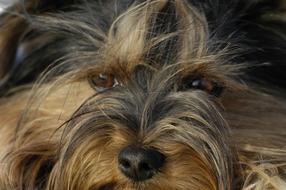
x: 236, y: 141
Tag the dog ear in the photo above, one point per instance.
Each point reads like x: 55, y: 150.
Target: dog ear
x: 19, y: 40
x: 265, y: 29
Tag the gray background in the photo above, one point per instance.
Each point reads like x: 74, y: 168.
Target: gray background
x: 5, y: 3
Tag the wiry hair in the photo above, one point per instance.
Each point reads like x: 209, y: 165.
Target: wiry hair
x: 66, y: 134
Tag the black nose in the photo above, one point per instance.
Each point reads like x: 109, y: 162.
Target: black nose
x: 140, y: 164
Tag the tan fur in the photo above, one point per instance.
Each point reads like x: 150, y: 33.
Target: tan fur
x: 245, y: 128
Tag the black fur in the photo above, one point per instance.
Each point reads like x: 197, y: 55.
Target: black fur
x: 245, y: 24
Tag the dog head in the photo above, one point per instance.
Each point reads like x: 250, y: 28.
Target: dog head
x: 143, y: 95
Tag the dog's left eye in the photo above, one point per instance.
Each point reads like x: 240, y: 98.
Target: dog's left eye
x: 204, y: 84
x: 102, y: 82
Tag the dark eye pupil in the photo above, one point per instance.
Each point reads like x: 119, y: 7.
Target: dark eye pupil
x: 197, y: 84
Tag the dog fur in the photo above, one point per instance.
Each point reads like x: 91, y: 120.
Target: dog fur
x: 62, y: 130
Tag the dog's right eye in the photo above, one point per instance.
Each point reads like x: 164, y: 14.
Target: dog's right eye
x: 102, y: 82
x: 203, y: 84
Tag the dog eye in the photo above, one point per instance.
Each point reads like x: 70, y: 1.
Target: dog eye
x: 204, y: 84
x: 102, y: 82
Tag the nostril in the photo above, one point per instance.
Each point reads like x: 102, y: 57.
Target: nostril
x: 125, y: 163
x: 145, y: 167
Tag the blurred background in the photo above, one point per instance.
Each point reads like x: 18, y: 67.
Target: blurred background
x: 5, y: 3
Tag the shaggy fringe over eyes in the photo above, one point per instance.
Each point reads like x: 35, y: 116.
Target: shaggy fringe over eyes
x: 69, y: 136
x: 139, y: 25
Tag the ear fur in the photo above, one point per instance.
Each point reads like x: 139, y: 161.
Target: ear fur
x: 265, y: 29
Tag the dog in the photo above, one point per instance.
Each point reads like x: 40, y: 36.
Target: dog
x: 143, y: 95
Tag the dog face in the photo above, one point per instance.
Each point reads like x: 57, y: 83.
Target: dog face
x: 140, y: 95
